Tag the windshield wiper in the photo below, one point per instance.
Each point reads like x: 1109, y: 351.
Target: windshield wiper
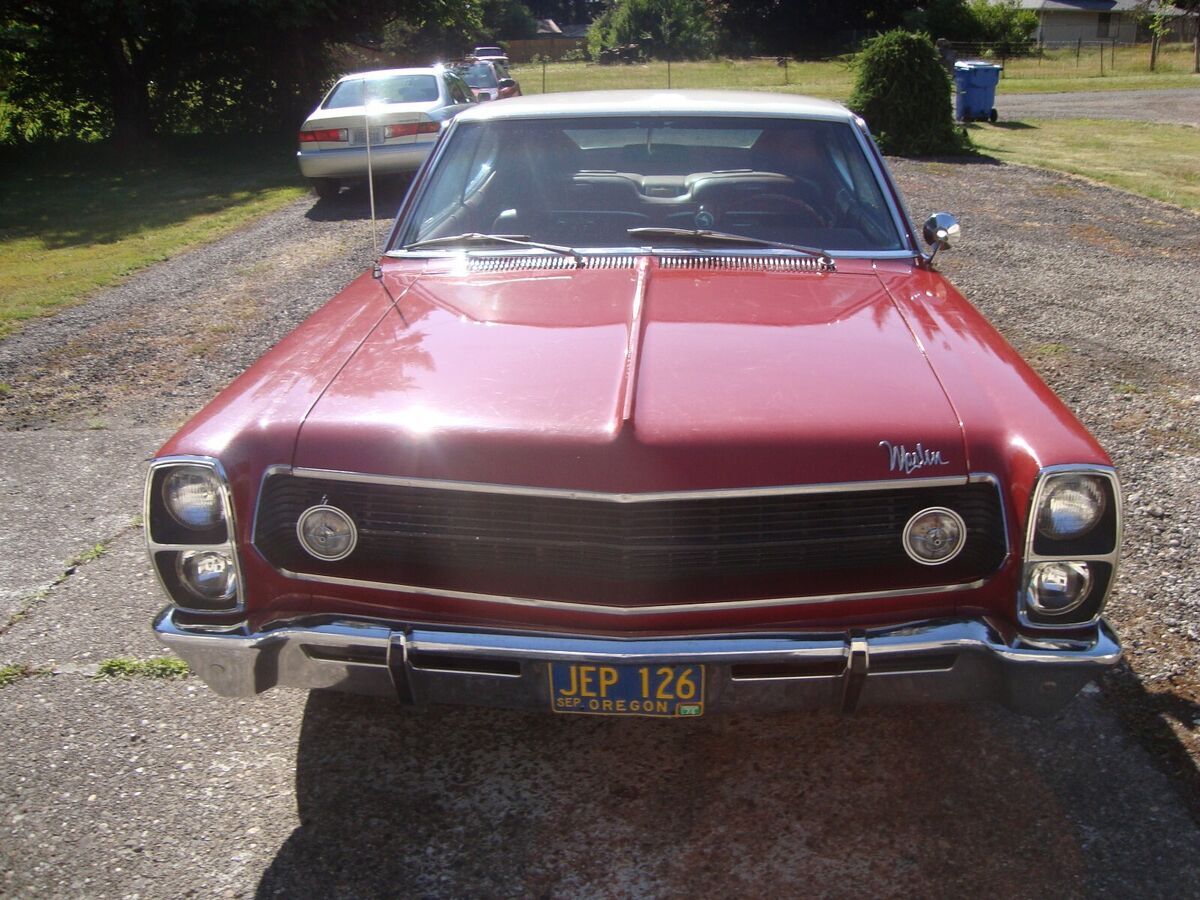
x: 474, y: 237
x: 724, y: 237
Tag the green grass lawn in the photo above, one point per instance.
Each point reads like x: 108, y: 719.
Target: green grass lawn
x: 1158, y: 161
x: 1055, y: 70
x: 81, y: 219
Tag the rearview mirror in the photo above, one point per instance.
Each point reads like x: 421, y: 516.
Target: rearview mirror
x: 941, y: 230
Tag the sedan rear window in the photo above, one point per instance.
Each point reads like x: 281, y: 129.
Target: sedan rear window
x: 479, y: 75
x: 386, y: 89
x: 587, y: 182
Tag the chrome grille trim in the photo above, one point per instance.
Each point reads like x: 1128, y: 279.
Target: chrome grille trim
x: 544, y: 603
x: 539, y: 603
x: 641, y: 497
x: 751, y: 263
x: 512, y: 263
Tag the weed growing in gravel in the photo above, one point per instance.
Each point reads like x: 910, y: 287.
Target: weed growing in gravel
x: 1124, y: 387
x: 5, y: 388
x: 1051, y: 349
x: 158, y: 667
x: 95, y: 552
x: 13, y: 673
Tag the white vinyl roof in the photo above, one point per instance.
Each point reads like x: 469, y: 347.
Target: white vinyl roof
x: 659, y: 103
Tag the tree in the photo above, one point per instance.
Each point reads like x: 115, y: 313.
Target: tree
x: 141, y: 68
x: 903, y: 93
x: 566, y: 12
x: 793, y: 26
x: 682, y: 28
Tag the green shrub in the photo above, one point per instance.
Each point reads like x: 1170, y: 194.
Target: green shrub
x: 904, y: 94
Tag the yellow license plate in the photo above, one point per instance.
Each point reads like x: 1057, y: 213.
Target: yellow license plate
x: 603, y: 690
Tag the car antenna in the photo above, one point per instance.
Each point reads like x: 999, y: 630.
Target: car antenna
x: 371, y: 184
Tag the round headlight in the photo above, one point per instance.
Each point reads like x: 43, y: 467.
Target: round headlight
x: 1056, y: 588
x: 934, y: 536
x: 193, y: 497
x: 326, y: 533
x: 1071, y: 506
x: 209, y: 574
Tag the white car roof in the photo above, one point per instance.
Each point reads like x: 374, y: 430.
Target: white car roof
x: 382, y: 73
x: 624, y: 103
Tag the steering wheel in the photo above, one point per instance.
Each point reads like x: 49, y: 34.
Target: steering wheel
x: 796, y: 203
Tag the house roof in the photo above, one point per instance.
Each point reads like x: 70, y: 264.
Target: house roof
x: 1094, y: 6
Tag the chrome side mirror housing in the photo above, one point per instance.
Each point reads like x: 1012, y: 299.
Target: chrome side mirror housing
x: 941, y: 230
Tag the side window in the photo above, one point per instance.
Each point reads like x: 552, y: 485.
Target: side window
x: 448, y: 181
x: 458, y: 92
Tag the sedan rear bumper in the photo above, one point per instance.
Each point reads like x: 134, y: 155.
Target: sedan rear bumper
x: 351, y: 162
x: 918, y: 662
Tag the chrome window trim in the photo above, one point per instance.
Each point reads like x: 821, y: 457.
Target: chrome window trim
x: 720, y: 493
x: 229, y: 545
x: 882, y: 181
x: 1112, y: 558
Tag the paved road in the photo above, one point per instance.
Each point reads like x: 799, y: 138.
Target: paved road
x: 161, y: 789
x: 1179, y: 107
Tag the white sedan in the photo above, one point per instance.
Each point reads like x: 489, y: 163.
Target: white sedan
x: 405, y: 111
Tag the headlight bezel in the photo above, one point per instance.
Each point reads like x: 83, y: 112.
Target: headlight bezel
x: 1097, y: 546
x: 168, y: 539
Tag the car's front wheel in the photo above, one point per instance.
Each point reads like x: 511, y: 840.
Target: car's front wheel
x: 325, y: 188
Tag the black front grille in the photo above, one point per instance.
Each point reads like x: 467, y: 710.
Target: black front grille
x: 688, y: 550
x: 628, y: 554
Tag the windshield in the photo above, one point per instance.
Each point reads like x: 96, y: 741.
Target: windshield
x: 586, y: 182
x: 385, y: 89
x: 478, y: 75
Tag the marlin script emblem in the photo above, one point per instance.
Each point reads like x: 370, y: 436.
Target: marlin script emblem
x: 901, y: 459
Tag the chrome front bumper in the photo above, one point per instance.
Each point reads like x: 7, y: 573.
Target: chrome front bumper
x: 918, y: 662
x: 351, y: 162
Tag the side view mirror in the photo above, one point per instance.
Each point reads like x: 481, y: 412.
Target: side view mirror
x: 507, y: 82
x: 941, y: 230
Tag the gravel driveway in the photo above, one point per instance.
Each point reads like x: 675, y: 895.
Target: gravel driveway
x: 159, y: 788
x: 1180, y: 106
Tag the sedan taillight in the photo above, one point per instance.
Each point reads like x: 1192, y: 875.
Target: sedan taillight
x: 410, y: 128
x: 325, y: 134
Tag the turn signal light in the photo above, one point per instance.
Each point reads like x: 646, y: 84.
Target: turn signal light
x: 325, y: 134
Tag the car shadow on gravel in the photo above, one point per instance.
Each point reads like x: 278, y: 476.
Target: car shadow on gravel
x: 355, y: 203
x: 476, y: 802
x: 1149, y: 714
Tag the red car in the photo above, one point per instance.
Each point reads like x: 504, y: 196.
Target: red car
x: 653, y: 406
x: 488, y: 79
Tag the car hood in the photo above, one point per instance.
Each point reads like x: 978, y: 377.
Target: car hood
x: 637, y: 378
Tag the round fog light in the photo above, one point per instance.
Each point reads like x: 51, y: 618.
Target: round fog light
x: 1057, y: 588
x: 326, y: 533
x: 934, y: 536
x: 209, y: 574
x: 193, y: 497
